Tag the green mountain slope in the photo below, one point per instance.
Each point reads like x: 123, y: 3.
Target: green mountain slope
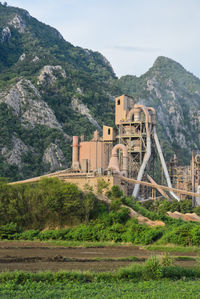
x: 50, y: 90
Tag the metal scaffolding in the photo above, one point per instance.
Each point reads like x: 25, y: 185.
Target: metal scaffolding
x: 185, y: 177
x: 133, y: 135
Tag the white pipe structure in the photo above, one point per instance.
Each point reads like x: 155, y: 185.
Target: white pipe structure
x: 162, y: 159
x: 148, y: 148
x: 169, y: 184
x: 197, y: 202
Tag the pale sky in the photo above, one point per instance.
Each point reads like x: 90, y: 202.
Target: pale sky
x: 131, y: 34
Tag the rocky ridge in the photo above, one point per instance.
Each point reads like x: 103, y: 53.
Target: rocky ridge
x: 25, y: 101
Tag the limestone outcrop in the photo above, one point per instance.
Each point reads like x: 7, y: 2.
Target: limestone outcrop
x: 53, y: 156
x: 18, y: 23
x: 13, y: 156
x: 22, y: 57
x: 78, y: 106
x: 26, y: 102
x: 49, y: 73
x: 5, y: 35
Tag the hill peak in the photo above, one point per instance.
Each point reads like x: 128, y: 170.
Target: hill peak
x: 162, y: 63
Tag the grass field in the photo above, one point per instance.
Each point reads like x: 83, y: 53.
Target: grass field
x: 156, y: 278
x: 148, y: 276
x: 146, y: 289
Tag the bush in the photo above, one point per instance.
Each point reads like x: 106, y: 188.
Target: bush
x: 48, y: 235
x: 8, y: 231
x: 29, y: 235
x: 115, y: 192
x: 196, y: 235
x: 141, y: 234
x: 115, y: 232
x: 115, y: 205
x: 166, y: 260
x: 187, y: 234
x: 152, y: 268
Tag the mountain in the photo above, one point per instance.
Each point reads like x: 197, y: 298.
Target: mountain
x: 51, y: 90
x: 175, y: 94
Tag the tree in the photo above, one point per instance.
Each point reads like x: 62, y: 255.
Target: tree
x: 62, y: 198
x: 101, y: 185
x: 89, y: 204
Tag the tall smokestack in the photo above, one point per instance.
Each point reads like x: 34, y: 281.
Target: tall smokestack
x: 75, y: 160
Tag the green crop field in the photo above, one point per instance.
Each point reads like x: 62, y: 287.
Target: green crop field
x: 145, y: 289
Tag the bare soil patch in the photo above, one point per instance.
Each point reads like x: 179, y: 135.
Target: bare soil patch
x: 36, y: 256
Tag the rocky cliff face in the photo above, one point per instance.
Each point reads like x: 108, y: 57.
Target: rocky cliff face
x: 53, y: 156
x: 14, y: 155
x: 47, y: 76
x: 18, y: 23
x: 78, y: 106
x: 27, y: 104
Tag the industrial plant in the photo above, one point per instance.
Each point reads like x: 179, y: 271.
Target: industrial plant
x: 126, y: 155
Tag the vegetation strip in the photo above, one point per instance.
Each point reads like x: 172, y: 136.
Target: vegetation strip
x: 164, y: 288
x: 185, y: 258
x: 81, y: 217
x: 153, y: 268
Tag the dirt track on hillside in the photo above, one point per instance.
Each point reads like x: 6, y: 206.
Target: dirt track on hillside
x: 35, y: 256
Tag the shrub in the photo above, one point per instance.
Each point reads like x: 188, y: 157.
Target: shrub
x: 141, y: 234
x: 30, y: 235
x: 47, y: 235
x: 82, y: 233
x: 9, y: 230
x: 166, y: 260
x: 115, y: 232
x: 186, y: 235
x: 115, y: 205
x: 152, y: 268
x: 115, y: 192
x: 196, y: 235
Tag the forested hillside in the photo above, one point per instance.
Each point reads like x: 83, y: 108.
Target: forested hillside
x: 50, y: 90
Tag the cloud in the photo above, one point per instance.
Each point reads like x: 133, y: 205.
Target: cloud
x: 135, y: 49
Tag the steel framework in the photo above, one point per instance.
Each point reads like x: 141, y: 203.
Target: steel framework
x: 133, y: 135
